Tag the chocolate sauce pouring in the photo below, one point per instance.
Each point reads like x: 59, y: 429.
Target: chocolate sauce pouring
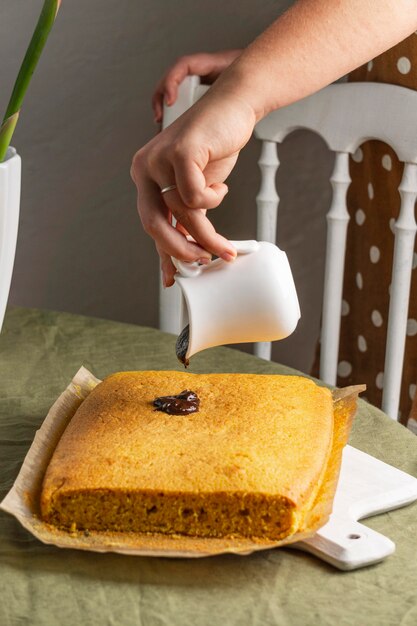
x: 181, y: 346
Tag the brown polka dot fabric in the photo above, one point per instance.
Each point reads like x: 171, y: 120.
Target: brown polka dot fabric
x: 374, y: 204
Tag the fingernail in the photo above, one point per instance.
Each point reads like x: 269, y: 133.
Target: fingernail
x: 204, y: 261
x: 226, y: 256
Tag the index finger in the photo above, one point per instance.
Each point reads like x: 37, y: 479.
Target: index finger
x: 197, y: 224
x: 155, y: 220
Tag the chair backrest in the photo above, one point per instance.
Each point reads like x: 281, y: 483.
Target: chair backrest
x: 344, y: 115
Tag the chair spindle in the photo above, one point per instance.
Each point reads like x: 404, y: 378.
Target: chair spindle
x: 267, y: 202
x: 337, y: 223
x: 405, y: 230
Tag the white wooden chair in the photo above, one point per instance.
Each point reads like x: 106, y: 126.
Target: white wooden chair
x: 344, y: 115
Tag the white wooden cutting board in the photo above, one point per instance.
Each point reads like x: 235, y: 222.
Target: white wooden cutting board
x: 366, y: 487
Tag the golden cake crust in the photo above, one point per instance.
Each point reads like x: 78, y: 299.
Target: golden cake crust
x: 255, y: 451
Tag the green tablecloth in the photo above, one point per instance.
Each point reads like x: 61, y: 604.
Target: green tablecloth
x: 39, y: 354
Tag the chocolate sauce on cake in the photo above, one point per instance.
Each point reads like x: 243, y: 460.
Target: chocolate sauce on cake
x: 181, y: 346
x: 184, y: 403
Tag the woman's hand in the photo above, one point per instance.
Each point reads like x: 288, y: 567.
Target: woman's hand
x: 207, y: 65
x: 196, y: 153
x: 309, y: 46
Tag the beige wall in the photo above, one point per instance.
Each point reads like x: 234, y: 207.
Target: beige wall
x: 81, y: 247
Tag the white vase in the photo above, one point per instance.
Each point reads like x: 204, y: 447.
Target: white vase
x: 9, y: 219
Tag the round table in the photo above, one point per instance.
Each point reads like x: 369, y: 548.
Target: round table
x: 40, y: 351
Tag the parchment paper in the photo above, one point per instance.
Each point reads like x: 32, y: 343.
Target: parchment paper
x: 22, y: 501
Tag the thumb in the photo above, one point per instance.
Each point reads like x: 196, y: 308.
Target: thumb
x: 193, y: 189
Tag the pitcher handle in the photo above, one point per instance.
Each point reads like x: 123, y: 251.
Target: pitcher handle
x: 190, y: 270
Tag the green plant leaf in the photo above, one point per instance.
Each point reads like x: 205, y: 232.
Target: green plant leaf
x: 33, y: 53
x: 6, y: 133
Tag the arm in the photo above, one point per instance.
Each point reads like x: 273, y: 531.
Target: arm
x: 312, y: 44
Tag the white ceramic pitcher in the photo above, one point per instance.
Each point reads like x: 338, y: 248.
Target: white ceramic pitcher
x: 251, y: 299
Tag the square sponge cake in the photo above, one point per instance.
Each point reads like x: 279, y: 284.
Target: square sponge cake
x: 248, y: 463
